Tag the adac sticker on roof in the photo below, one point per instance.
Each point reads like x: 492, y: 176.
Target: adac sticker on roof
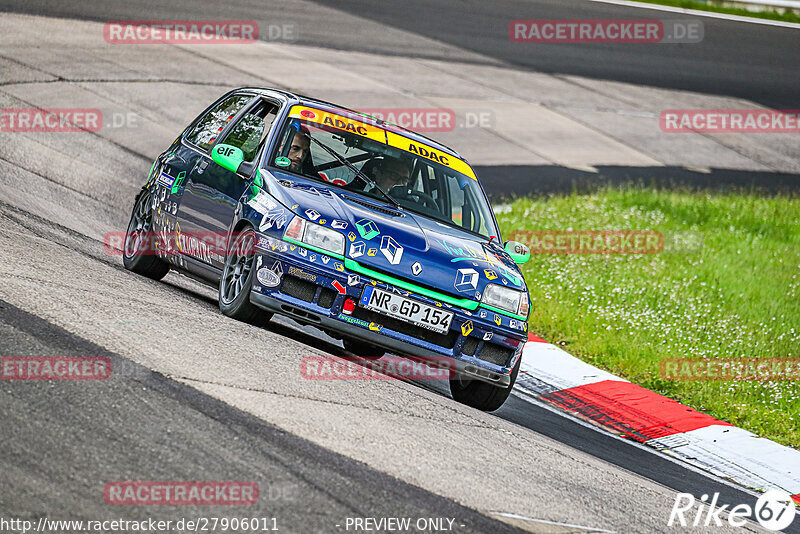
x: 337, y: 121
x: 430, y: 153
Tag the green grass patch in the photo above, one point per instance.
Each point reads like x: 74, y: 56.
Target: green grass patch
x: 727, y: 285
x: 787, y: 16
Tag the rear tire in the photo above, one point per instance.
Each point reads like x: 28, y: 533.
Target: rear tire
x: 237, y: 281
x: 362, y: 349
x: 138, y: 253
x: 482, y: 395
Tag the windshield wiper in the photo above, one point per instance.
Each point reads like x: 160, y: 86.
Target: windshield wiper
x: 341, y: 159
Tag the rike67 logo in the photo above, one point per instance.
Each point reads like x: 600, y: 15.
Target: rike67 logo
x: 774, y: 510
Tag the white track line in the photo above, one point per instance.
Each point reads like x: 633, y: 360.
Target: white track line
x: 699, y: 13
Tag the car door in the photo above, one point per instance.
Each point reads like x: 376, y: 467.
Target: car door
x: 211, y: 193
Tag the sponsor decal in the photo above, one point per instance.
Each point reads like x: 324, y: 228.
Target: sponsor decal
x: 339, y: 122
x: 166, y: 180
x: 176, y: 185
x: 353, y: 320
x: 357, y: 249
x: 299, y: 273
x: 282, y: 161
x: 466, y: 328
x: 262, y: 202
x: 430, y: 153
x: 270, y: 277
x: 391, y: 250
x: 416, y: 268
x: 466, y: 280
x: 367, y: 229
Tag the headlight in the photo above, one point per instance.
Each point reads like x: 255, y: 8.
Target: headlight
x: 315, y: 235
x: 506, y: 299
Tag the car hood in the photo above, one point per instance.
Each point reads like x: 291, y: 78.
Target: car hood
x: 402, y: 244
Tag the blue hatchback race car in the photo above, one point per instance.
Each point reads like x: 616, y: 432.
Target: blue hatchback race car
x: 378, y: 236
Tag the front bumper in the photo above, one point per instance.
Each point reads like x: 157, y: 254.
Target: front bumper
x: 311, y: 288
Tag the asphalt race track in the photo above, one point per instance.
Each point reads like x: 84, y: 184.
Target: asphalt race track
x: 196, y: 396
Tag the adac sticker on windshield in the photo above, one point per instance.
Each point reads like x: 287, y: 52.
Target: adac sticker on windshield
x: 339, y: 122
x: 429, y: 153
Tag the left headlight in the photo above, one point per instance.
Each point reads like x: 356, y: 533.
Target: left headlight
x: 315, y: 235
x: 506, y: 299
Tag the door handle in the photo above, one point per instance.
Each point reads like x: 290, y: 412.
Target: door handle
x: 201, y: 166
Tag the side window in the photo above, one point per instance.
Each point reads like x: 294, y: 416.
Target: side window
x: 206, y: 131
x: 456, y: 208
x: 252, y: 129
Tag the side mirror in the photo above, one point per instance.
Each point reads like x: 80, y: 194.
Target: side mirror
x: 519, y: 252
x: 228, y: 157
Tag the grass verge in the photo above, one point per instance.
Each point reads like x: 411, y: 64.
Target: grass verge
x: 727, y: 285
x: 787, y: 16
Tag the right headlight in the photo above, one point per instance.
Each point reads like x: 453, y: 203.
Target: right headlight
x: 315, y: 235
x: 505, y: 298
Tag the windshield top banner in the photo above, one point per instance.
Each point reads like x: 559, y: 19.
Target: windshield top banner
x: 337, y: 121
x: 392, y: 139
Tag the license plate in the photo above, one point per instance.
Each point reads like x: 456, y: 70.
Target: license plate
x: 411, y: 311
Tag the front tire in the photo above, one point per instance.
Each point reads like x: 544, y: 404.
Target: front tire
x: 482, y: 395
x: 237, y: 281
x: 138, y: 253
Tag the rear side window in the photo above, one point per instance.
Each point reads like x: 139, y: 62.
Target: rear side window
x: 206, y: 131
x: 249, y: 133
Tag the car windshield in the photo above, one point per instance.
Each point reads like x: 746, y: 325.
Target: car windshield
x: 414, y: 181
